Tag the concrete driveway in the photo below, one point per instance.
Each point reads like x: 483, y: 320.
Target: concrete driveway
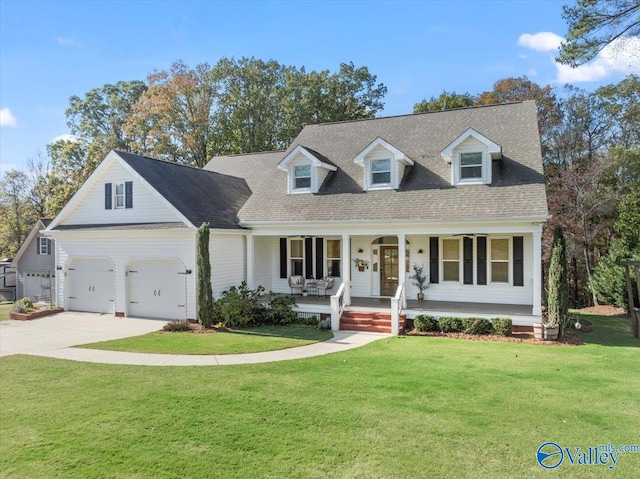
x: 62, y: 330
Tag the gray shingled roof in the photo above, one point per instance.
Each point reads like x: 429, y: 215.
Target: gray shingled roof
x: 517, y: 188
x: 201, y: 196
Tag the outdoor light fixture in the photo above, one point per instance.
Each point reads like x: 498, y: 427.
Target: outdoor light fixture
x: 187, y: 271
x: 420, y: 251
x: 59, y: 268
x: 360, y: 250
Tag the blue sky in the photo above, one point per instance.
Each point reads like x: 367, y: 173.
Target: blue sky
x: 51, y: 50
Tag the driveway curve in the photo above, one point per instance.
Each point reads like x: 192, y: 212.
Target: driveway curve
x: 54, y: 337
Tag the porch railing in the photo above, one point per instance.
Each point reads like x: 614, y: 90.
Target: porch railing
x: 337, y: 306
x: 398, y: 303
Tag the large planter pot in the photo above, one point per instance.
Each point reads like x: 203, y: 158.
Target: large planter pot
x: 360, y: 268
x: 420, y: 296
x: 551, y: 332
x: 538, y: 331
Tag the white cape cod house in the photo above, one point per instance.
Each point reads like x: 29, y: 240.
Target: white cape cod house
x: 460, y: 192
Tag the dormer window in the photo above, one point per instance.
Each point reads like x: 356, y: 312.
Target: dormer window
x: 306, y: 170
x: 470, y: 166
x: 380, y: 172
x: 119, y: 196
x: 302, y: 176
x: 471, y: 156
x: 383, y: 165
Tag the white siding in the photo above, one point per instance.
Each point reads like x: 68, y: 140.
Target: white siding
x: 263, y: 263
x: 32, y: 262
x: 122, y: 248
x: 148, y: 207
x: 228, y: 261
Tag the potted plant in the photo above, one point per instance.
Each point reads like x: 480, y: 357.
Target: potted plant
x: 537, y: 331
x: 305, y: 292
x: 551, y: 329
x: 361, y: 263
x: 420, y: 280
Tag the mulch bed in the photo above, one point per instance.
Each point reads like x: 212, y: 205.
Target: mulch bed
x: 571, y: 337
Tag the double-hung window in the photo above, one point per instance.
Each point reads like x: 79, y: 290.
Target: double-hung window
x: 333, y: 257
x: 499, y: 260
x: 471, y: 166
x: 451, y: 260
x: 297, y: 257
x: 302, y: 177
x: 43, y: 245
x: 380, y: 172
x: 119, y: 196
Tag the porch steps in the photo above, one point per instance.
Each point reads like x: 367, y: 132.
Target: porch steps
x: 368, y: 321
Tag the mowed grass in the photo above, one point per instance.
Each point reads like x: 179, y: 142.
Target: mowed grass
x: 250, y: 340
x: 5, y: 307
x: 404, y: 407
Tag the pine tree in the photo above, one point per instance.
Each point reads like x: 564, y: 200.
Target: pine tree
x: 204, y: 292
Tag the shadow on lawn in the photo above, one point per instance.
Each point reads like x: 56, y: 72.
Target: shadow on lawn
x: 609, y: 331
x: 286, y: 332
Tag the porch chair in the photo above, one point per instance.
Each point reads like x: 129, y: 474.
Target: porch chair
x: 325, y: 284
x: 296, y: 282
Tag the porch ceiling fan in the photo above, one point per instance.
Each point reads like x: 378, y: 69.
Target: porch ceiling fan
x: 471, y: 235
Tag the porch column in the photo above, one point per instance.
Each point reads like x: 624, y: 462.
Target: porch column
x: 346, y: 268
x: 402, y: 262
x: 250, y: 261
x: 537, y: 271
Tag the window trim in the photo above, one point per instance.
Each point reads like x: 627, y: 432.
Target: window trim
x: 508, y: 261
x: 462, y: 167
x: 301, y: 189
x: 373, y: 184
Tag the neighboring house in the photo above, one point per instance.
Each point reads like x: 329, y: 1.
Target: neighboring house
x: 7, y: 280
x: 35, y: 265
x: 460, y: 192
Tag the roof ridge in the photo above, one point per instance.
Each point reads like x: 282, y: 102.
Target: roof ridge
x: 417, y: 114
x: 159, y: 160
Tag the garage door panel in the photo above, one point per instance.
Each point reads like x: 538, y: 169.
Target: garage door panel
x: 91, y: 286
x: 157, y: 289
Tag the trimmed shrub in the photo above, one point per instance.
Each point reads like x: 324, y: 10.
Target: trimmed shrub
x: 476, y: 326
x: 424, y: 323
x: 449, y: 324
x: 310, y: 321
x: 177, y: 326
x: 23, y: 305
x: 502, y: 326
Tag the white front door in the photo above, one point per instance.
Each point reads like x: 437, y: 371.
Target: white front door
x: 157, y: 289
x: 91, y: 287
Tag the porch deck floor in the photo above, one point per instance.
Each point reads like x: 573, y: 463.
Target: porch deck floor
x: 426, y: 305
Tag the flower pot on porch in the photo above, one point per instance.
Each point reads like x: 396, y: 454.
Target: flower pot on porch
x: 305, y: 293
x: 551, y: 332
x: 420, y: 296
x: 360, y: 268
x: 537, y: 331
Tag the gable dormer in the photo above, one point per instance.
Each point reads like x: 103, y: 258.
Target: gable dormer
x: 306, y: 170
x: 383, y: 165
x: 470, y: 156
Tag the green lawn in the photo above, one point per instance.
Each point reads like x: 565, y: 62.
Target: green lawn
x: 405, y: 407
x: 5, y: 307
x: 250, y: 340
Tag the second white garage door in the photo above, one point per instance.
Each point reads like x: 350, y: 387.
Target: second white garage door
x: 157, y: 289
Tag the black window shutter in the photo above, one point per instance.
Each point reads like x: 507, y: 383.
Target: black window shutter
x: 283, y: 257
x: 434, y: 271
x: 467, y: 251
x: 308, y: 257
x: 128, y: 194
x: 38, y: 245
x: 107, y: 196
x: 481, y: 272
x: 319, y: 257
x: 518, y: 261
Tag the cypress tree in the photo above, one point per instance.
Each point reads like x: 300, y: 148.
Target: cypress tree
x: 204, y: 292
x: 558, y: 284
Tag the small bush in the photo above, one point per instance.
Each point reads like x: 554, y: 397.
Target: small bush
x: 476, y: 326
x: 310, y: 321
x: 324, y: 323
x: 23, y: 305
x: 425, y: 323
x: 240, y: 306
x: 502, y: 326
x: 177, y: 326
x: 281, y: 311
x: 450, y: 324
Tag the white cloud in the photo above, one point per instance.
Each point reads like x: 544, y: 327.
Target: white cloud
x: 66, y: 41
x: 541, y: 41
x: 7, y: 118
x: 622, y: 56
x: 65, y: 137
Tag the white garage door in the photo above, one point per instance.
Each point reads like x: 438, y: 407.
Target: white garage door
x: 157, y: 289
x: 91, y: 285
